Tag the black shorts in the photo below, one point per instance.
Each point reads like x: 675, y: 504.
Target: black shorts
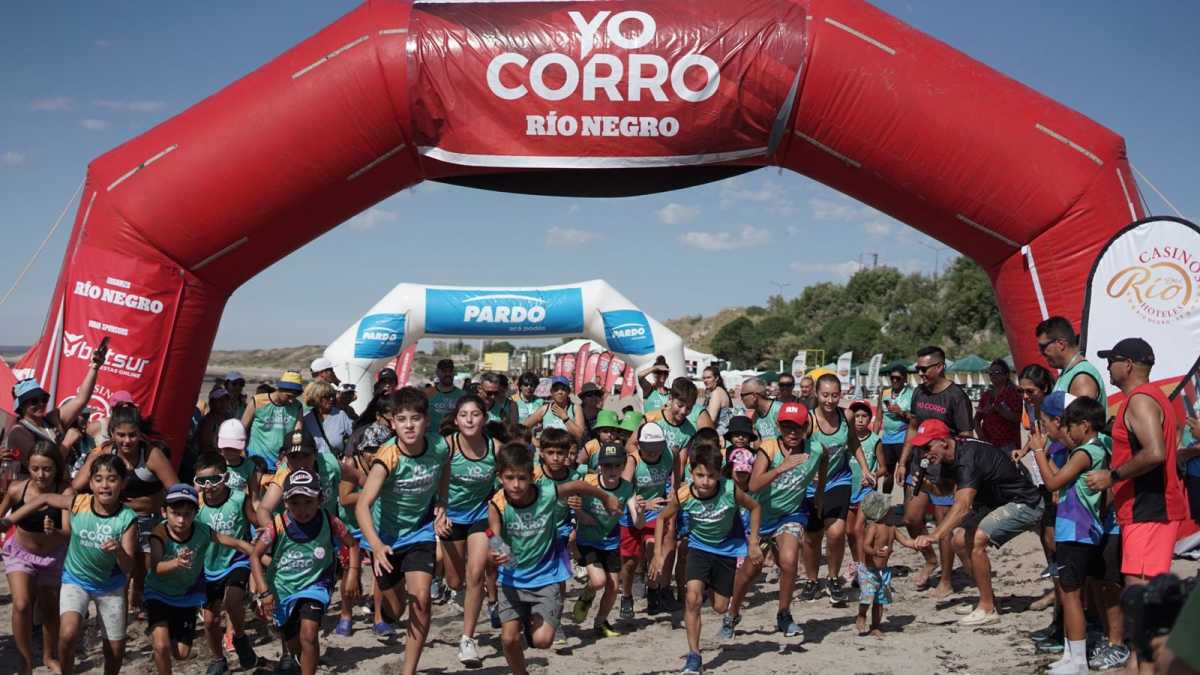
x: 609, y: 561
x: 180, y: 621
x: 716, y: 571
x: 1108, y: 568
x: 418, y: 557
x: 1192, y: 483
x: 1049, y: 508
x: 1076, y: 562
x: 214, y: 591
x: 460, y: 532
x: 305, y: 608
x: 835, y: 504
x: 891, y: 455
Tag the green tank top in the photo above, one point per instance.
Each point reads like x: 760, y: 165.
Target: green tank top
x: 531, y: 531
x: 471, y: 482
x: 837, y: 471
x: 408, y: 490
x: 894, y: 426
x: 238, y: 477
x: 441, y: 405
x: 856, y: 470
x: 784, y: 495
x: 184, y: 580
x: 552, y: 421
x: 657, y: 400
x: 1063, y: 383
x: 228, y: 519
x: 329, y: 475
x: 650, y: 480
x: 694, y: 414
x: 711, y: 520
x: 767, y: 426
x: 527, y: 408
x: 272, y: 425
x: 296, y: 565
x: 499, y: 412
x: 347, y: 515
x: 86, y: 564
x: 604, y: 531
x: 678, y: 436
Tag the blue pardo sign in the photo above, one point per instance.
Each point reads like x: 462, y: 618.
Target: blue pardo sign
x: 454, y: 311
x: 628, y: 332
x: 379, y: 336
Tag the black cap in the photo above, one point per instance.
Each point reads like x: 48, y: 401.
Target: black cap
x: 612, y: 453
x: 306, y: 443
x: 1134, y: 349
x: 590, y: 388
x: 387, y: 374
x: 741, y: 425
x: 301, y: 482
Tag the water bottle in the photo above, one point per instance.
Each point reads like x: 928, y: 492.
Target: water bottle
x: 497, y: 544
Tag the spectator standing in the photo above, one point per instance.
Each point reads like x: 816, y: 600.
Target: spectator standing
x: 998, y: 419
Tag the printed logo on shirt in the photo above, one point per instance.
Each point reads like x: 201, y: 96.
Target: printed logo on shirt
x: 628, y: 332
x: 379, y: 336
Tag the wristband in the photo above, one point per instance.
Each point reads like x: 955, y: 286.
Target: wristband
x: 264, y: 595
x: 1115, y: 475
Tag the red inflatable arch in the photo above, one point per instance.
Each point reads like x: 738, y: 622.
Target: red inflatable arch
x: 662, y: 95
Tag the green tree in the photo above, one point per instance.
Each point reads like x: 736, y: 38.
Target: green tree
x: 501, y: 346
x: 739, y: 342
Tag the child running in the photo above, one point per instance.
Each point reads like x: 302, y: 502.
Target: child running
x: 401, y: 506
x: 242, y: 472
x: 651, y: 473
x: 524, y: 515
x: 866, y: 470
x: 709, y: 505
x: 599, y: 539
x: 226, y: 570
x: 175, y: 585
x: 874, y: 574
x: 301, y: 544
x: 779, y: 479
x: 355, y: 466
x: 100, y: 557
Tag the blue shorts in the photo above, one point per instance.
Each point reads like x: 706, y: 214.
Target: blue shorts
x: 875, y: 585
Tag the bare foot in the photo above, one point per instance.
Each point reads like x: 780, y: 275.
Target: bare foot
x: 1043, y: 602
x: 860, y: 624
x: 922, y: 578
x: 54, y: 666
x: 942, y: 592
x: 876, y: 633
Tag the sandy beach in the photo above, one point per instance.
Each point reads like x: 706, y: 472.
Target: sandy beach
x: 921, y: 636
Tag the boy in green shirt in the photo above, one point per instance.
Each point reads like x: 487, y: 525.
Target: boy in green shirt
x: 523, y: 515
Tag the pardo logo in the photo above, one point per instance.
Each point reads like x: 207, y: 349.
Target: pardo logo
x: 1163, y: 287
x: 602, y: 73
x: 75, y: 346
x: 628, y: 332
x: 484, y: 309
x: 380, y: 336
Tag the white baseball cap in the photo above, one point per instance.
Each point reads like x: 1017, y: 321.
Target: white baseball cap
x: 231, y: 434
x: 319, y: 364
x: 651, y: 437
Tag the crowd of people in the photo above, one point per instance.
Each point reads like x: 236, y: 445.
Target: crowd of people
x: 505, y: 502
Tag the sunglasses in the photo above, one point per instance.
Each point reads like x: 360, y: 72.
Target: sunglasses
x: 897, y: 377
x: 209, y: 481
x: 924, y: 369
x: 787, y: 385
x: 1117, y: 359
x: 1043, y: 346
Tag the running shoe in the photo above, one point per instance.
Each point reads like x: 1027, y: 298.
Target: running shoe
x: 978, y: 617
x: 560, y: 638
x: 626, y: 607
x: 653, y: 601
x: 581, y: 573
x: 468, y: 652
x: 786, y: 625
x: 1053, y: 628
x: 287, y: 664
x: 1112, y: 656
x: 728, y: 623
x: 693, y: 665
x: 494, y: 615
x: 582, y: 605
x: 809, y: 590
x: 218, y: 667
x: 605, y: 630
x: 383, y: 630
x: 344, y: 628
x: 247, y: 659
x: 439, y: 592
x: 837, y: 594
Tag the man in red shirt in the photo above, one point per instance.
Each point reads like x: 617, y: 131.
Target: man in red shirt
x: 1147, y: 492
x: 998, y: 417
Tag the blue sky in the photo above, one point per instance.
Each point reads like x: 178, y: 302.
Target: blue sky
x: 81, y: 78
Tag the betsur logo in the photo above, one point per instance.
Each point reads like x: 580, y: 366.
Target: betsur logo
x: 75, y: 346
x: 628, y: 332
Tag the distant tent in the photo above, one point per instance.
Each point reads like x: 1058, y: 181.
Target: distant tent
x: 769, y: 376
x: 969, y: 364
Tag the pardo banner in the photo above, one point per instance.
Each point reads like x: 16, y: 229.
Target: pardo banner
x: 1146, y: 283
x: 457, y: 311
x: 843, y: 370
x: 602, y: 84
x: 134, y: 311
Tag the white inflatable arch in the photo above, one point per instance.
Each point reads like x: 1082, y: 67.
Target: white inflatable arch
x: 591, y: 309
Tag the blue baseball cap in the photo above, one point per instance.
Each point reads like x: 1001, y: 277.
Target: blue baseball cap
x: 1056, y: 402
x: 233, y: 376
x: 181, y: 492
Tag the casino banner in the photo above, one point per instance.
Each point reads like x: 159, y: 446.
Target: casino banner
x: 602, y: 84
x: 1146, y: 283
x: 130, y: 301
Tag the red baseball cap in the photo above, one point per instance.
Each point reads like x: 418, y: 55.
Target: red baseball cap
x: 931, y: 430
x: 862, y: 405
x: 793, y: 412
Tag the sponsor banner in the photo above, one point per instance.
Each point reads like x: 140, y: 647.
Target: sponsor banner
x: 129, y: 301
x: 843, y: 369
x: 404, y: 365
x: 593, y: 365
x: 558, y: 364
x: 627, y: 331
x: 379, y: 336
x: 873, y: 372
x: 629, y: 382
x: 568, y: 366
x: 581, y: 362
x: 456, y: 311
x: 800, y: 364
x: 1146, y: 283
x: 616, y: 368
x: 602, y: 84
x: 602, y: 368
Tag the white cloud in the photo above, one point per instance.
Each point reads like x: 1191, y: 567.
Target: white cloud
x: 372, y: 218
x: 53, y: 104
x: 130, y: 106
x: 12, y: 158
x: 839, y: 271
x: 102, y: 44
x: 878, y: 228
x: 93, y: 124
x: 565, y: 237
x: 677, y: 214
x: 769, y: 194
x: 745, y: 236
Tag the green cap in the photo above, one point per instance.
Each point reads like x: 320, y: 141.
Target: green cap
x: 632, y: 421
x: 875, y: 506
x: 606, y: 419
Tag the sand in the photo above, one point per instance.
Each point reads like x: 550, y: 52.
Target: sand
x: 921, y: 636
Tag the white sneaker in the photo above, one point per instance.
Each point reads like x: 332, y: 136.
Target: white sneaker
x: 1069, y: 667
x: 468, y: 652
x: 978, y: 617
